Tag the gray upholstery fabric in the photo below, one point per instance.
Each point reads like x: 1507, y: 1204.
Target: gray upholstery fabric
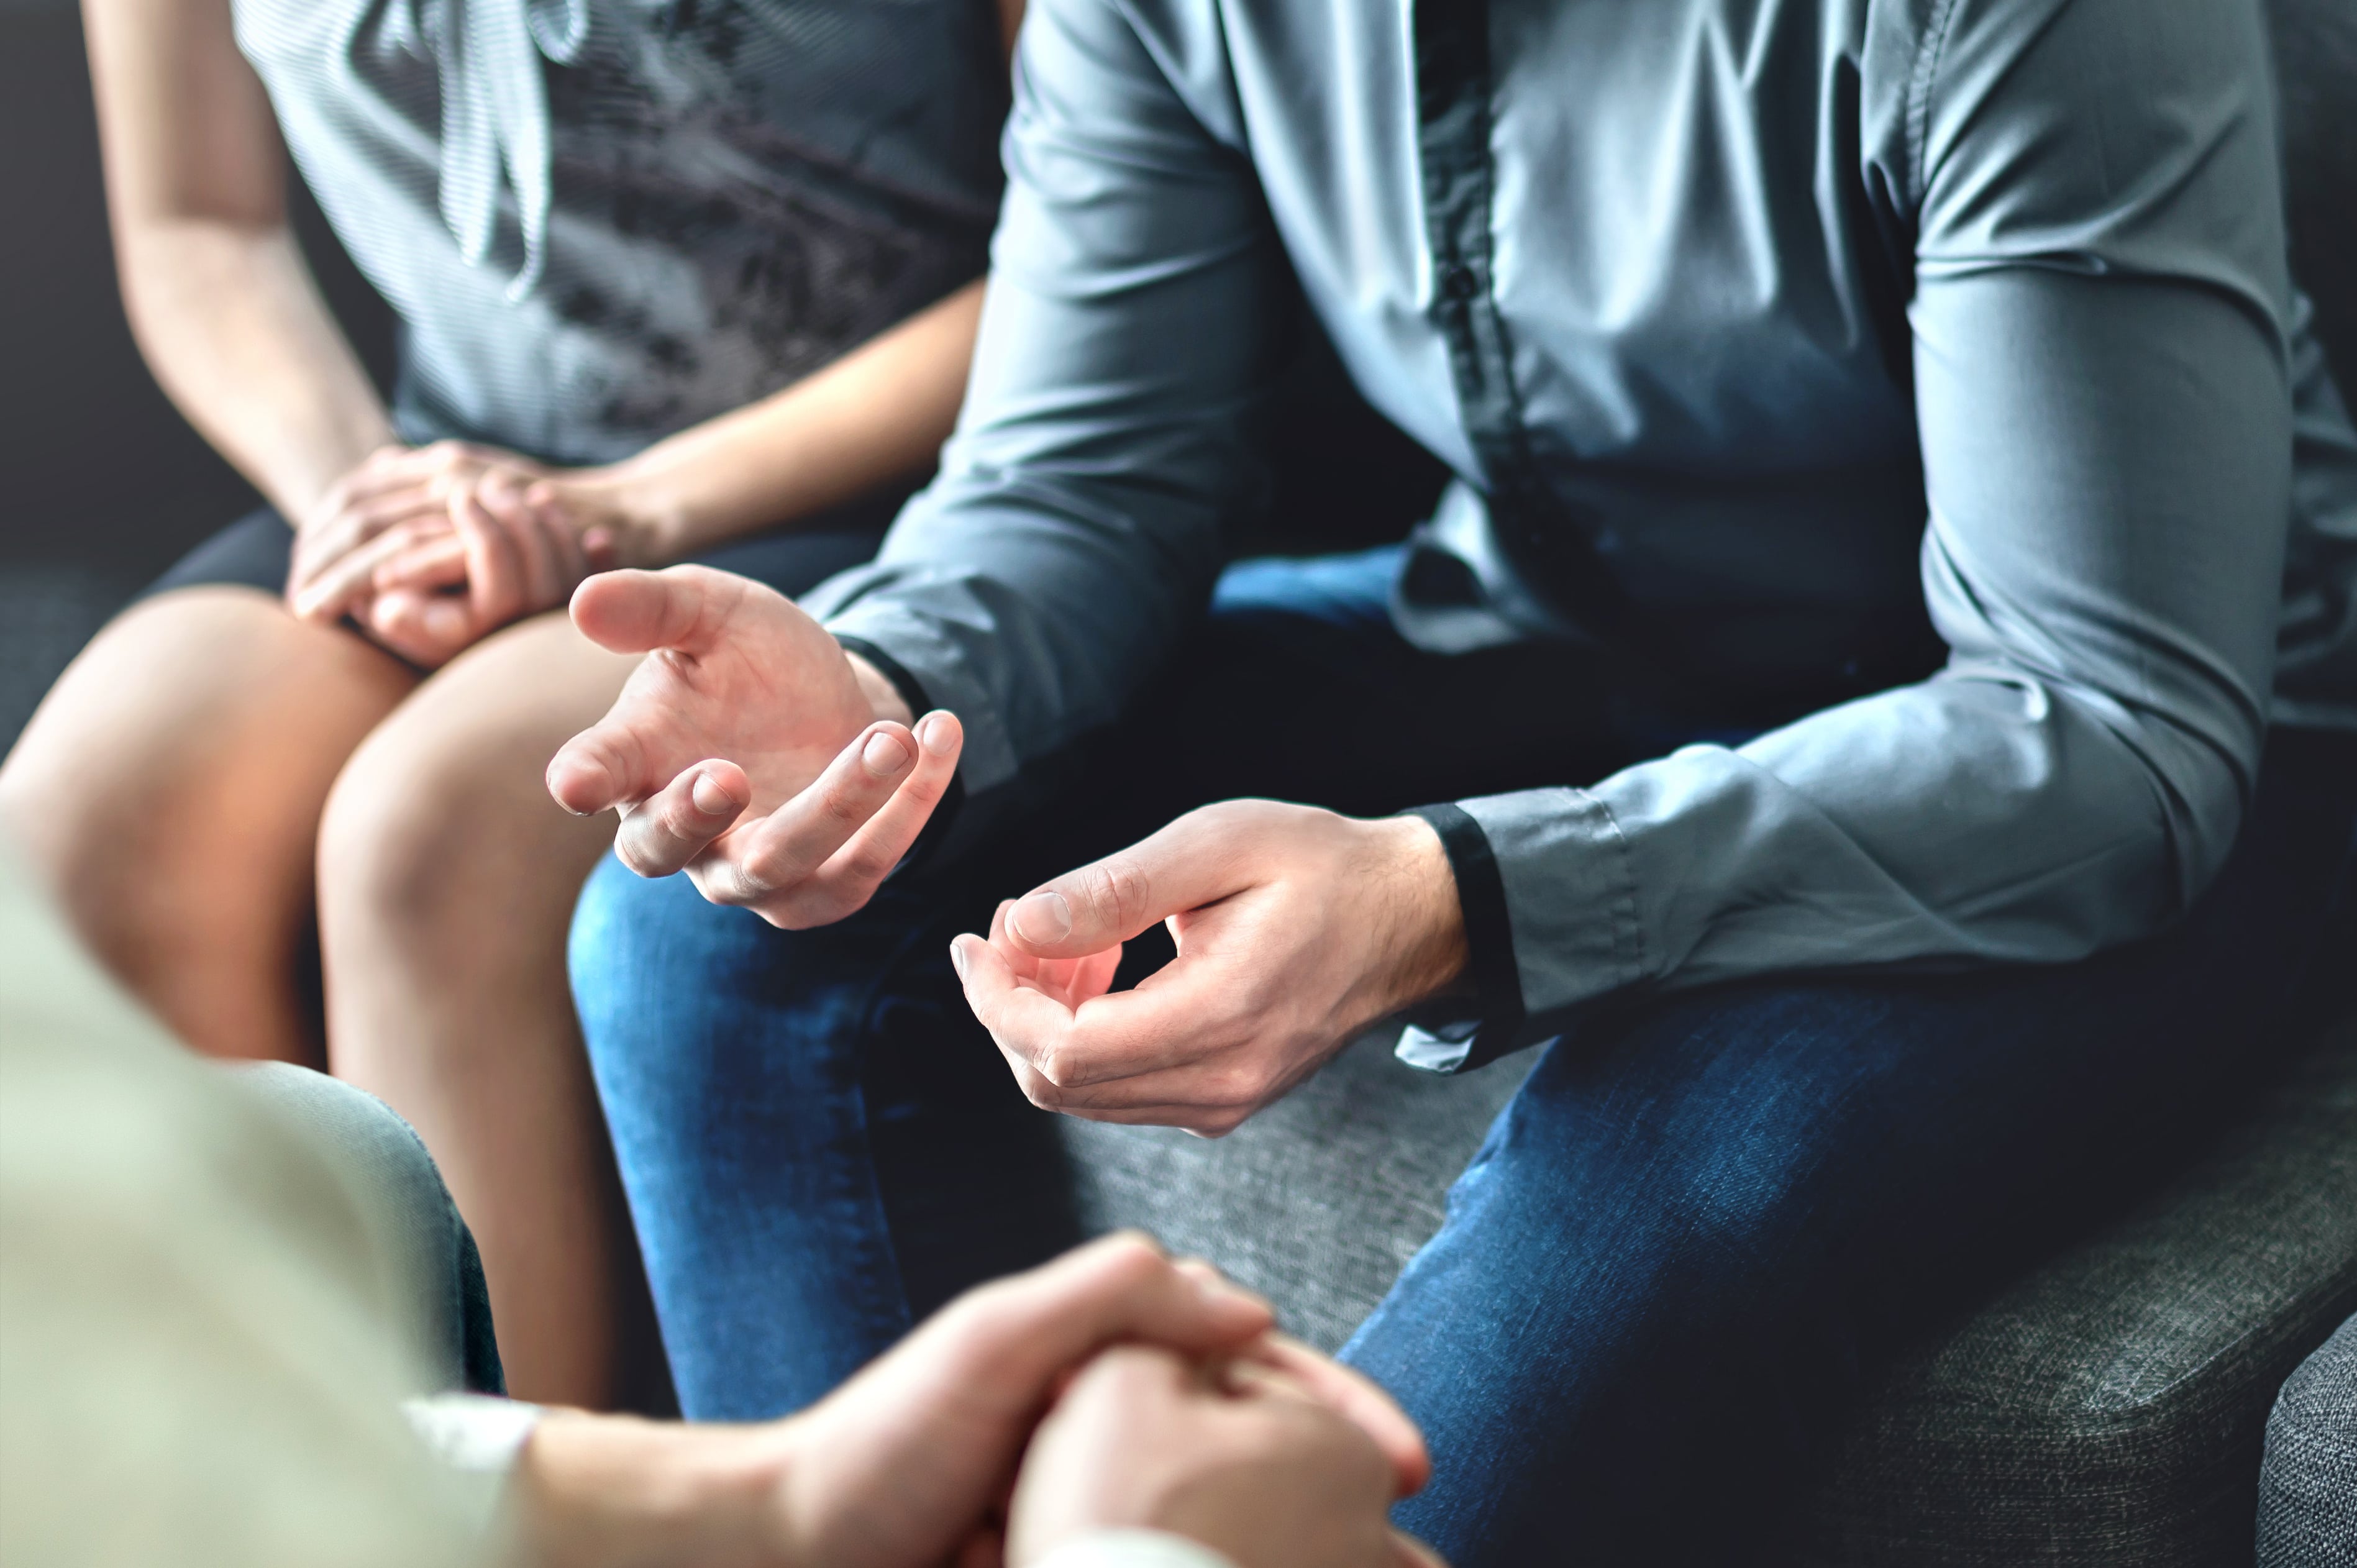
x: 2307, y: 1485
x: 1318, y: 1201
x: 2107, y: 1410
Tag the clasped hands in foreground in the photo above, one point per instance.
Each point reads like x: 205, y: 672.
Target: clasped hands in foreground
x: 787, y: 776
x: 1111, y: 1389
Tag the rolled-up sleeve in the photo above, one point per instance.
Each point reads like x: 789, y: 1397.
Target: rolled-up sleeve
x: 2099, y: 355
x: 1111, y: 427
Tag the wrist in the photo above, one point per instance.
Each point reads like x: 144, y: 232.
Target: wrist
x: 641, y: 498
x: 884, y: 698
x: 1430, y: 956
x: 598, y: 1490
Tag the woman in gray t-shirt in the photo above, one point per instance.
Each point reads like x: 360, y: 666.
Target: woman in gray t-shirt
x: 677, y: 279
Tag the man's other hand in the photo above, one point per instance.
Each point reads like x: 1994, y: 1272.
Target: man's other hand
x: 1296, y: 929
x: 747, y: 749
x: 1250, y: 1458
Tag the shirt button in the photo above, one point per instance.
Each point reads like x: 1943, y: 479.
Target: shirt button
x: 1459, y: 282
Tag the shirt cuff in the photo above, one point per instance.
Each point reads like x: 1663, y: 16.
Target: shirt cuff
x: 1551, y: 921
x: 1453, y: 1033
x: 477, y: 1438
x: 474, y: 1432
x: 1133, y: 1548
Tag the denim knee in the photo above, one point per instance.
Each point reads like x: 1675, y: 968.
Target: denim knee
x: 439, y: 1270
x: 727, y: 1057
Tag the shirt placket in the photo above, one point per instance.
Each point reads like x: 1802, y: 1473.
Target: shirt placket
x: 1453, y: 94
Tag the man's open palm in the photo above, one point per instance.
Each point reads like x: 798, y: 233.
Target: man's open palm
x: 746, y: 750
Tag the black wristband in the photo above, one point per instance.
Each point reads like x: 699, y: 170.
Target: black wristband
x: 1488, y: 932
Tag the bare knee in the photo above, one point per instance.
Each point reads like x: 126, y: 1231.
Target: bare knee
x: 440, y: 841
x: 412, y: 836
x: 168, y: 789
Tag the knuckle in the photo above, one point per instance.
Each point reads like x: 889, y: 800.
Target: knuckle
x: 1041, y: 1092
x: 1115, y: 892
x: 861, y: 870
x: 845, y: 805
x: 1130, y: 1258
x: 630, y: 850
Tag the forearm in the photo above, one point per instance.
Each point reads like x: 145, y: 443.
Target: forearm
x: 615, y: 1492
x: 234, y: 329
x: 878, y: 413
x: 2104, y: 562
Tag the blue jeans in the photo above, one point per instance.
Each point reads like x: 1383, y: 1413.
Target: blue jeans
x: 439, y: 1275
x: 1683, y: 1239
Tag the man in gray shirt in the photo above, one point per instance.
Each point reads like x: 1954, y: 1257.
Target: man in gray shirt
x: 1874, y: 702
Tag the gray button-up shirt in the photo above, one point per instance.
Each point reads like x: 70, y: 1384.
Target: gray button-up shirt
x: 1750, y: 330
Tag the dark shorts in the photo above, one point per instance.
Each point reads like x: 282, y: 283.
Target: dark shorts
x: 254, y: 552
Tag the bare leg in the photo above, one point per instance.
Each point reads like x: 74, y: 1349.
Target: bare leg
x: 169, y: 789
x: 447, y: 882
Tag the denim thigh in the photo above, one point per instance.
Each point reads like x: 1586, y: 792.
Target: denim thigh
x: 819, y: 1143
x: 1702, y: 1215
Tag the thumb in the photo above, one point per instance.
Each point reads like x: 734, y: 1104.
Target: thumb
x: 1184, y: 866
x: 683, y: 607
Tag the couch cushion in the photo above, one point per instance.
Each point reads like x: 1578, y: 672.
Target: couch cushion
x: 1318, y: 1202
x: 2110, y: 1408
x: 2308, y: 1484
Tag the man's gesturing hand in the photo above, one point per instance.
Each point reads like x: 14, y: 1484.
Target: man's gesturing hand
x: 1296, y: 929
x: 748, y: 750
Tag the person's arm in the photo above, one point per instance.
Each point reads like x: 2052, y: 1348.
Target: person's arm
x: 217, y: 293
x: 880, y: 413
x: 2102, y: 393
x: 433, y: 548
x: 1133, y: 321
x: 2101, y: 397
x: 1130, y: 331
x: 905, y: 1464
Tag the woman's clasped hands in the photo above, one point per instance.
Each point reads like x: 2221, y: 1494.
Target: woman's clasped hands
x: 430, y: 549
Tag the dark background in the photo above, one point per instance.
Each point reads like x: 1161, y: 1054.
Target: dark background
x: 104, y: 486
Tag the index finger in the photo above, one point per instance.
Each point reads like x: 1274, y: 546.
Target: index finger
x: 1169, y: 1021
x: 1184, y: 865
x: 330, y: 590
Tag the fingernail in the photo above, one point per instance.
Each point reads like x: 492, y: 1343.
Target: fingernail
x: 709, y: 797
x: 957, y: 957
x: 1041, y: 917
x: 884, y: 753
x: 934, y: 734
